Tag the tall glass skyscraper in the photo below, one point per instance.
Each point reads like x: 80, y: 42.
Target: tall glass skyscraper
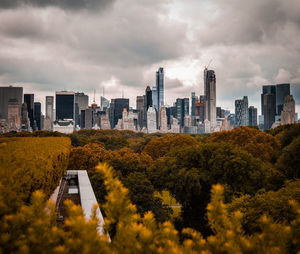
x: 267, y: 90
x: 282, y: 90
x: 65, y: 105
x: 29, y: 100
x: 160, y: 87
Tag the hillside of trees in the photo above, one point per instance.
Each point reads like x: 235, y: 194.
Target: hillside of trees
x: 239, y: 191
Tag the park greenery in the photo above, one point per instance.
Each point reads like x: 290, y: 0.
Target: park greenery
x: 229, y: 192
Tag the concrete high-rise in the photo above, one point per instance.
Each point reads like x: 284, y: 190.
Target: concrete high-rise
x: 288, y: 112
x: 163, y: 120
x: 81, y: 103
x: 241, y: 112
x: 65, y: 105
x: 7, y: 94
x: 252, y: 116
x: 151, y: 120
x: 160, y: 87
x: 282, y: 90
x: 269, y: 110
x: 210, y: 96
x: 13, y: 115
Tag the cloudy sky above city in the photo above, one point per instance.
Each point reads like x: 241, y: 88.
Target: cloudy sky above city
x: 82, y: 45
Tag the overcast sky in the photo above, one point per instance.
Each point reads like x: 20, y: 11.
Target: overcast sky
x: 82, y: 45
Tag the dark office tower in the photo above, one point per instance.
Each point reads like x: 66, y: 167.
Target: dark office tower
x: 193, y: 106
x: 182, y: 109
x: 82, y: 119
x: 269, y: 110
x: 140, y: 103
x: 282, y: 90
x: 252, y: 116
x: 65, y: 105
x: 29, y: 100
x: 202, y: 99
x: 219, y: 112
x: 265, y: 90
x: 116, y: 109
x: 160, y: 87
x: 241, y: 112
x: 38, y: 114
x: 7, y: 94
x: 148, y: 99
x: 81, y: 102
x: 210, y: 96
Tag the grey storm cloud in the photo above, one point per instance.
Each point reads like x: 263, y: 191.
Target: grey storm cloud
x: 75, y: 45
x: 64, y: 4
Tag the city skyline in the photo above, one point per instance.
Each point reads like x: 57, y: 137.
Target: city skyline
x: 57, y: 46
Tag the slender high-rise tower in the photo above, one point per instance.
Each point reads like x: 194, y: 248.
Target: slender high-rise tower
x: 160, y: 87
x: 210, y: 96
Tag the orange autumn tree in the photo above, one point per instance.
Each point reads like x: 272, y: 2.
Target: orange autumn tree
x: 259, y: 144
x: 159, y: 147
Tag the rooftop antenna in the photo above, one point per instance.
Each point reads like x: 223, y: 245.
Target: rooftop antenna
x: 94, y: 96
x: 208, y: 64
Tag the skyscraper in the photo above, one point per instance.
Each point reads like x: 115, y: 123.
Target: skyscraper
x: 154, y: 98
x: 163, y: 120
x: 267, y: 89
x: 7, y: 94
x: 282, y: 90
x: 29, y: 100
x: 182, y: 109
x: 241, y: 112
x: 13, y: 115
x: 269, y: 110
x: 81, y: 103
x: 193, y: 104
x: 140, y: 103
x: 148, y: 99
x: 151, y: 120
x: 288, y: 112
x: 160, y: 87
x: 65, y: 105
x: 252, y: 116
x: 116, y: 110
x: 38, y: 114
x: 210, y: 96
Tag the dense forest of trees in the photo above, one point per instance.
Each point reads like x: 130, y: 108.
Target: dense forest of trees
x: 239, y: 191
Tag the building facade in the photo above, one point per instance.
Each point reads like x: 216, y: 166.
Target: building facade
x: 210, y: 96
x: 7, y: 94
x: 241, y: 112
x: 252, y: 116
x: 269, y: 110
x: 65, y: 105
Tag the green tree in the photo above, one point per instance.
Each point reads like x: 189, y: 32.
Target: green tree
x: 289, y: 161
x: 190, y: 173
